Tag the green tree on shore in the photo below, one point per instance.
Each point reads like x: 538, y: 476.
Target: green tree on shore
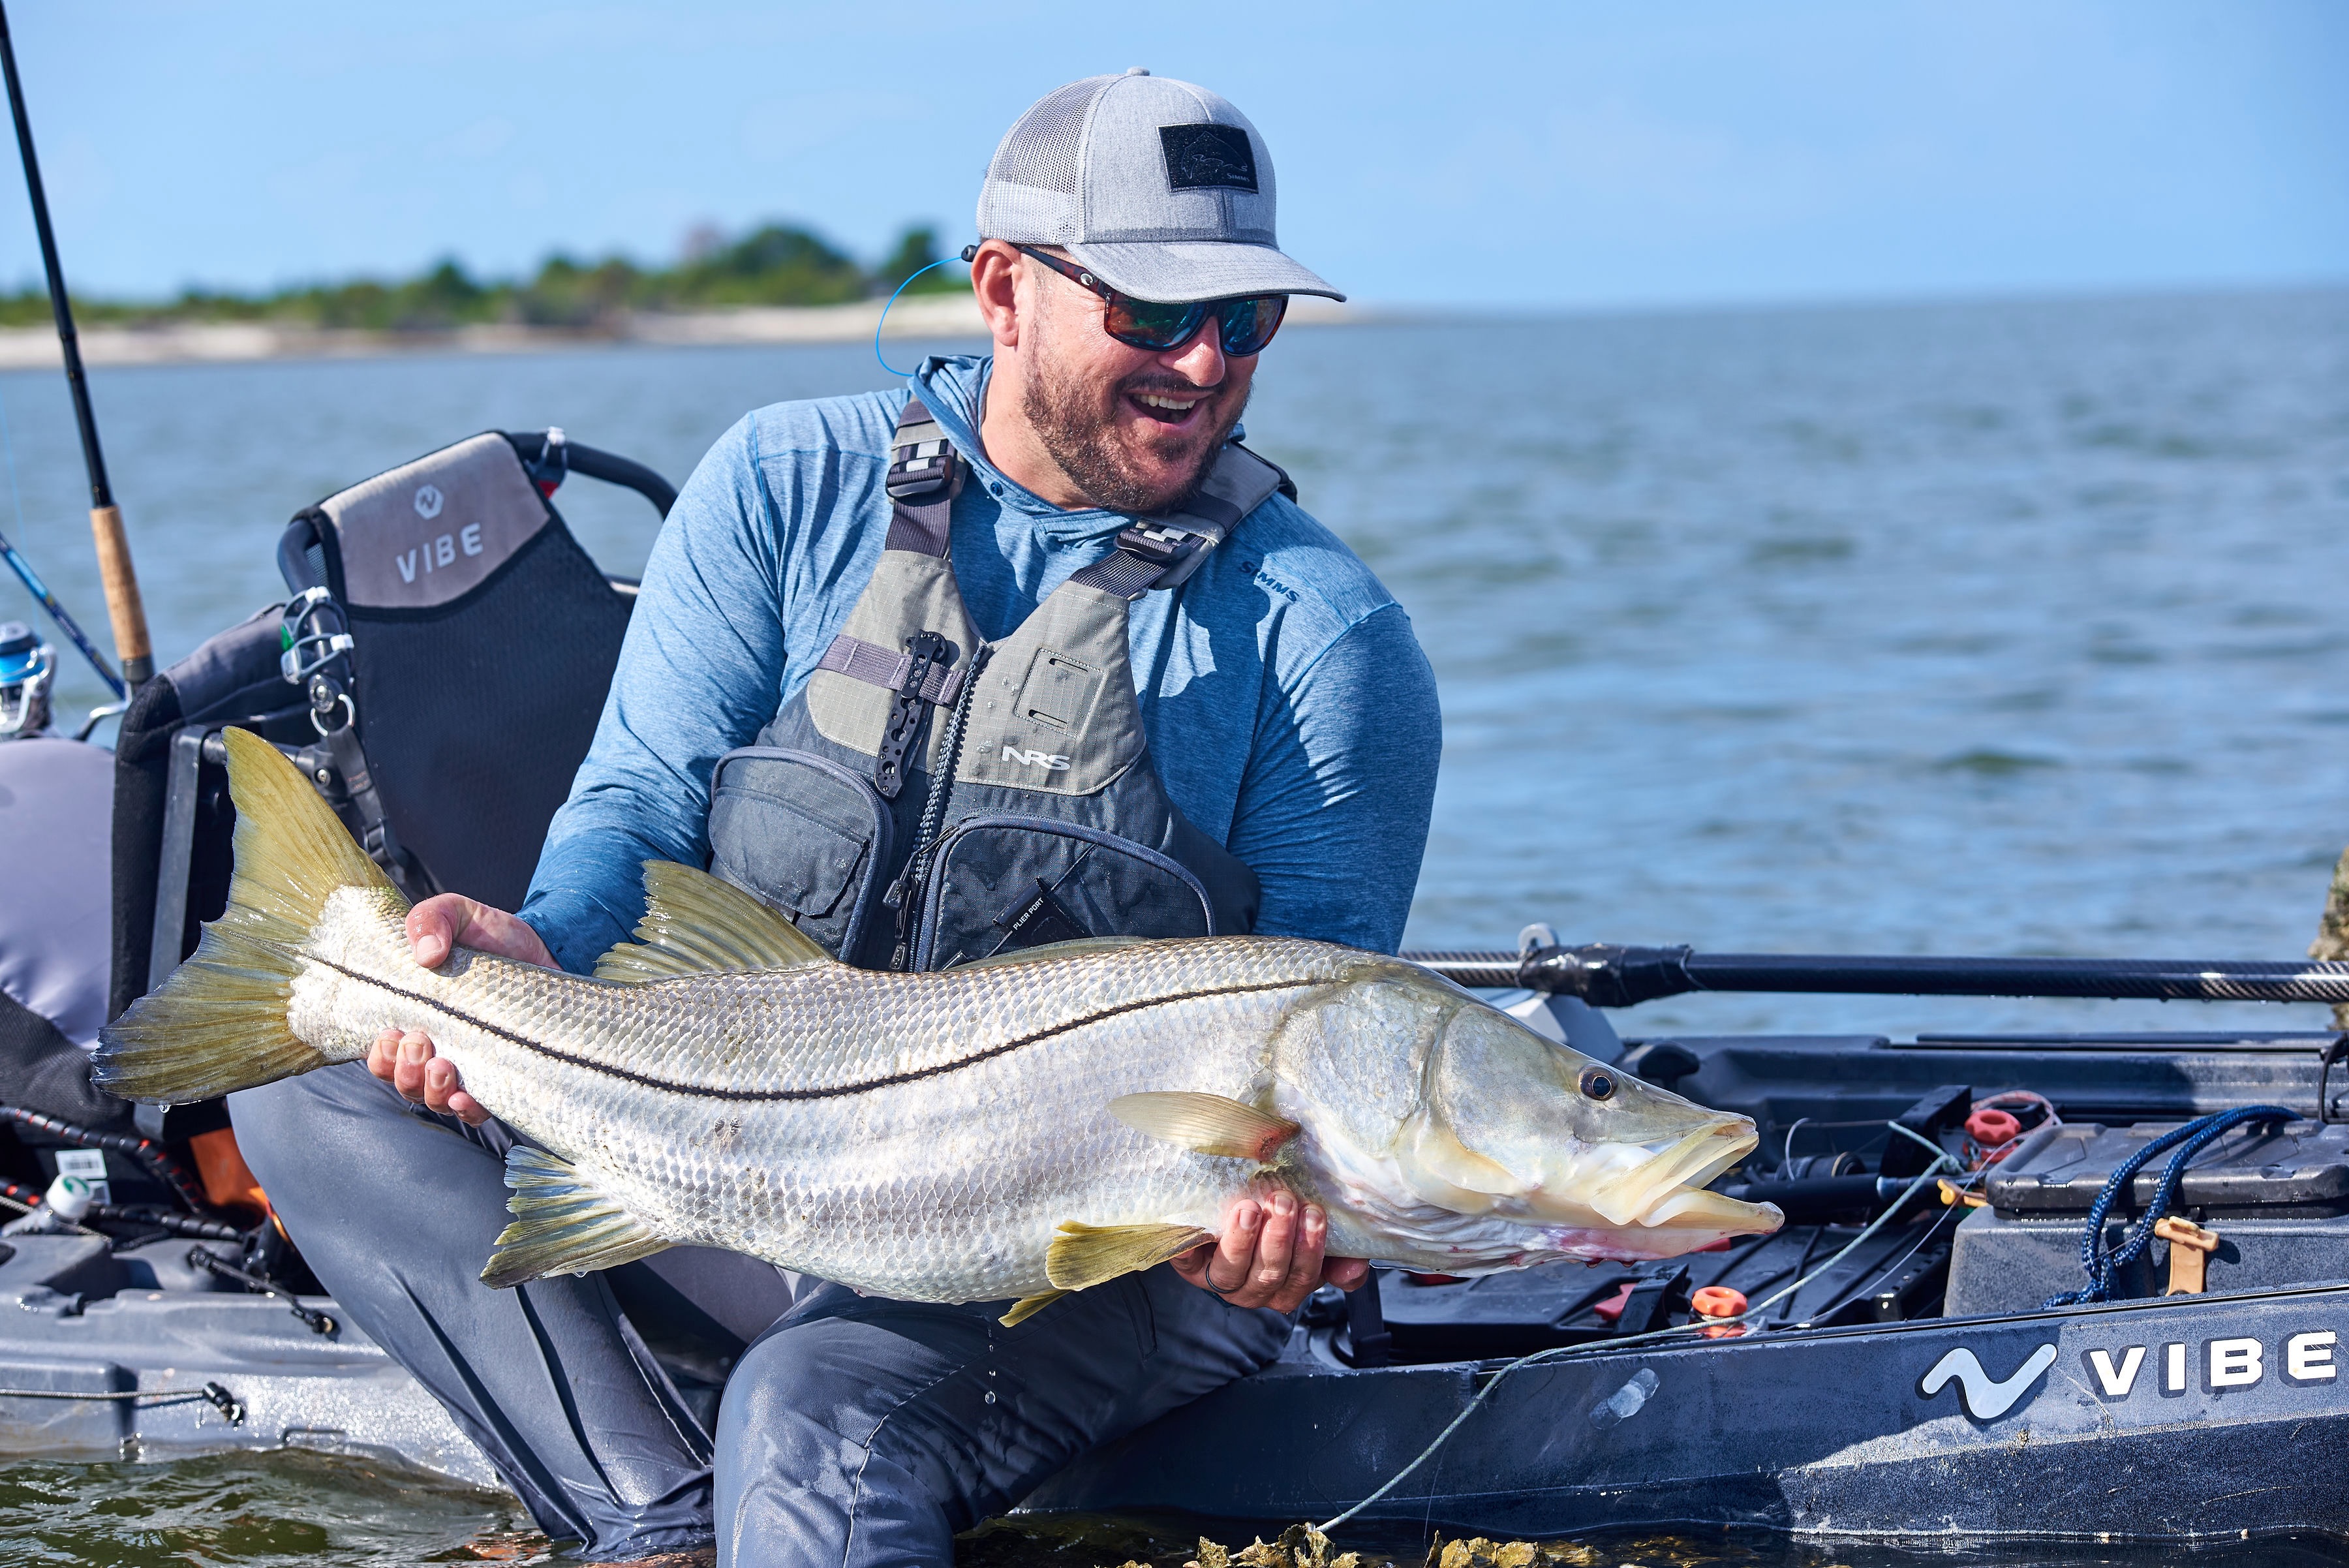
x: 775, y: 264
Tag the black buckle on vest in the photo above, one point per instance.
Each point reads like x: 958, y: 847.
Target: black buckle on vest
x: 921, y: 468
x: 1175, y: 551
x: 924, y: 650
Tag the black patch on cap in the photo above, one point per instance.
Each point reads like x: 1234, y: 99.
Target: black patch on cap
x: 1201, y: 155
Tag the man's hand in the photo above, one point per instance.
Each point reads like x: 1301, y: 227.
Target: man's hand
x: 1269, y: 1256
x: 437, y: 928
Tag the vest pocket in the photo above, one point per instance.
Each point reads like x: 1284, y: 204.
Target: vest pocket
x: 998, y: 884
x: 804, y: 834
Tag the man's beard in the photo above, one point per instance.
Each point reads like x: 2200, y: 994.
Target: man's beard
x: 1077, y: 421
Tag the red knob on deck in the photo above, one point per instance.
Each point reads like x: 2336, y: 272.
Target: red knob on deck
x: 1991, y: 1128
x: 1719, y: 1300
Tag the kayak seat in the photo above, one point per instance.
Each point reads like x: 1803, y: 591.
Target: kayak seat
x: 483, y: 642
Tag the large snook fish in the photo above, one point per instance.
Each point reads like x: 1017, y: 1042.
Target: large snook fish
x: 1013, y: 1128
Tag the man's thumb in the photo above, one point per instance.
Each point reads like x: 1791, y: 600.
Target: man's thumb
x: 433, y: 931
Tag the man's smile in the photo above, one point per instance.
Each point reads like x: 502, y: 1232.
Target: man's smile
x: 1170, y: 408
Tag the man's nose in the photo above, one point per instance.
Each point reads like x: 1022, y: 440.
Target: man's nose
x: 1200, y: 360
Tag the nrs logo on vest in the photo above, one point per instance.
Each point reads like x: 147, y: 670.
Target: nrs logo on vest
x: 1058, y: 764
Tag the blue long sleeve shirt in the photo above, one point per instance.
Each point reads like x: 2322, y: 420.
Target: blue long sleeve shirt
x: 1288, y: 708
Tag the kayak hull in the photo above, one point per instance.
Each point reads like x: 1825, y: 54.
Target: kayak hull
x: 1827, y: 1431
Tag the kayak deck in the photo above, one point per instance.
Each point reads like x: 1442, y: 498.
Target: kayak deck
x: 137, y: 1340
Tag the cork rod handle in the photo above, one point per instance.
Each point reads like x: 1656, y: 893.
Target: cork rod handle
x: 123, y: 605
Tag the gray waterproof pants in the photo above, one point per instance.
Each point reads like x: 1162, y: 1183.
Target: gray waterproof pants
x: 854, y: 1431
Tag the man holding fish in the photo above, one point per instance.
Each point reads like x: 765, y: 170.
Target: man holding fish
x: 1280, y: 707
x: 963, y: 695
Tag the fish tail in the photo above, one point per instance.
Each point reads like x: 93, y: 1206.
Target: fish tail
x: 218, y: 1024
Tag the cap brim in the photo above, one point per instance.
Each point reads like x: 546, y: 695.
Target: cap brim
x: 1176, y: 272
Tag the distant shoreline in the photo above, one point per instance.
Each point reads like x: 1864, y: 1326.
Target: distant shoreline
x: 917, y: 316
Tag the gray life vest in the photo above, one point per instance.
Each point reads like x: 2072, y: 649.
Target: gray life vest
x: 930, y: 798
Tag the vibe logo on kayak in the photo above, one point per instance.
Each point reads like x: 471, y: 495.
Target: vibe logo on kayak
x: 428, y: 502
x: 1985, y: 1399
x: 2299, y: 1359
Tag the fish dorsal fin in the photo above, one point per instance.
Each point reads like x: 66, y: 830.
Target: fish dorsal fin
x: 696, y: 924
x: 1211, y: 1124
x: 561, y: 1223
x: 1077, y: 948
x: 1082, y: 1256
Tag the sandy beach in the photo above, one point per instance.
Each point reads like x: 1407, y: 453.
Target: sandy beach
x: 922, y: 316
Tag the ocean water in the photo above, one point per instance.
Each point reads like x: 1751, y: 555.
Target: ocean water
x: 2003, y: 629
x: 1995, y: 628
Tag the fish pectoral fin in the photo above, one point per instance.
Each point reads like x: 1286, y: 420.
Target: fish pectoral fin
x: 1210, y: 1124
x: 1082, y: 1256
x: 1027, y: 1307
x: 563, y: 1224
x: 697, y: 924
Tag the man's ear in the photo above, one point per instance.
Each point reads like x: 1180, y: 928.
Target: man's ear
x: 995, y: 280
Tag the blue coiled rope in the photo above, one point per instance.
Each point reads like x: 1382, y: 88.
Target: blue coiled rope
x: 2188, y: 1140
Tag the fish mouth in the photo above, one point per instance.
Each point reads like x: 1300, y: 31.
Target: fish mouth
x: 1696, y: 1209
x: 1657, y: 1191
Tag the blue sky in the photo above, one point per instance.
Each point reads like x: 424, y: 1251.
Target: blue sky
x: 1555, y: 156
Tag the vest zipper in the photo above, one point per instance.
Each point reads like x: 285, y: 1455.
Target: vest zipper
x: 901, y: 896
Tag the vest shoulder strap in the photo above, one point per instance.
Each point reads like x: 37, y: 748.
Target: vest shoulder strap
x: 1163, y: 552
x: 926, y: 473
x: 925, y: 476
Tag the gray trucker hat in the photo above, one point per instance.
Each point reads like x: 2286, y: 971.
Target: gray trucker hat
x: 1162, y: 188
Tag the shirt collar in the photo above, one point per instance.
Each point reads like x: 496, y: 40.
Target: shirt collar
x: 951, y: 388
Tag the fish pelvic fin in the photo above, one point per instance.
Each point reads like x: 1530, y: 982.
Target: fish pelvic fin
x: 1027, y: 1307
x: 1210, y: 1124
x: 563, y: 1224
x: 1082, y: 1256
x: 218, y: 1023
x: 698, y: 924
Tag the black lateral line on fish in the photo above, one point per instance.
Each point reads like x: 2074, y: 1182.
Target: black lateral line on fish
x: 835, y: 1091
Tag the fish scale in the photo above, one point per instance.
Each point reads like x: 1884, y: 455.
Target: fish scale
x: 1008, y: 1129
x: 916, y: 1195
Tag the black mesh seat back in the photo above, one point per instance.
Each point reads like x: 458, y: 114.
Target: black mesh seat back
x: 484, y: 640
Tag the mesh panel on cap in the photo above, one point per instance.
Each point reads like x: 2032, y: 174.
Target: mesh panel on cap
x: 1040, y: 151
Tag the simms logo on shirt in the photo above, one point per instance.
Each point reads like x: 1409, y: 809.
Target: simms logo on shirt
x: 1036, y: 758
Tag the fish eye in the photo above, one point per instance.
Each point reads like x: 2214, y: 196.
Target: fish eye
x: 1598, y: 1083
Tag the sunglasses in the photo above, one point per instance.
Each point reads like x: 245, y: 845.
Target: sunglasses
x: 1245, y: 323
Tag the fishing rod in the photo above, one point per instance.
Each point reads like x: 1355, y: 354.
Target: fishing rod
x: 1606, y: 975
x: 48, y: 601
x: 123, y: 606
